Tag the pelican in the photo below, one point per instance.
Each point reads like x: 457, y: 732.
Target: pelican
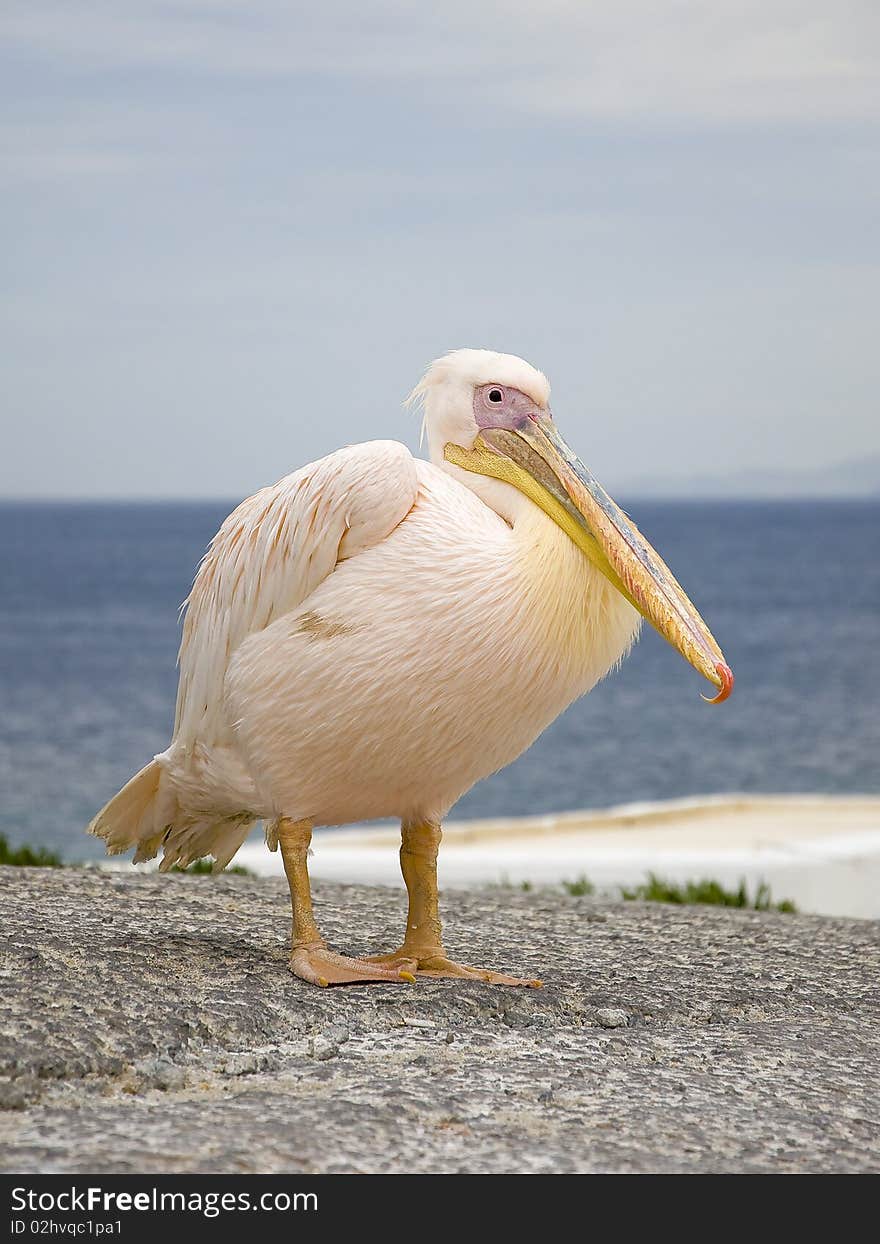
x: 374, y: 634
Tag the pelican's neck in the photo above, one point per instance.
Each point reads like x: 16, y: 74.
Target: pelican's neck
x: 579, y: 624
x: 508, y: 502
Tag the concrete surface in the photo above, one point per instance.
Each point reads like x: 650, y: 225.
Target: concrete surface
x: 149, y: 1024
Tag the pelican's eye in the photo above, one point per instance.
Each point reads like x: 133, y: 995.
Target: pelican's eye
x: 500, y: 406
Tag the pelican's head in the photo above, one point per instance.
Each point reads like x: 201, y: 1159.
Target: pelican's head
x: 489, y: 413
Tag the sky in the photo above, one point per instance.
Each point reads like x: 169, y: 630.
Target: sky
x: 238, y: 230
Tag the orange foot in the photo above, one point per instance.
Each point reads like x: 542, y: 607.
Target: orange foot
x: 320, y: 966
x: 408, y: 961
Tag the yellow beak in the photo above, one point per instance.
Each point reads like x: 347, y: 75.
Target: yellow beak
x: 536, y: 460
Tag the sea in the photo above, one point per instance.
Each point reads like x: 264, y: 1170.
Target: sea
x: 89, y: 630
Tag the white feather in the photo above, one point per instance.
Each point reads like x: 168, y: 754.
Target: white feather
x: 270, y: 554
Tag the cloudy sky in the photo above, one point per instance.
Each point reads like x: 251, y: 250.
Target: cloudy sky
x: 237, y: 230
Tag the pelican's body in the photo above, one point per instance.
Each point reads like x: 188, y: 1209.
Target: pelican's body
x: 398, y: 682
x: 369, y: 638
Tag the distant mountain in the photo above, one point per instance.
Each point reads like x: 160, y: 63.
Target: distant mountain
x: 858, y: 477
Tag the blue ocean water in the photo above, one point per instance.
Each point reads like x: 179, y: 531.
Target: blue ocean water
x: 89, y: 596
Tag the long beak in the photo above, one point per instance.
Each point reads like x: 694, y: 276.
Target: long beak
x: 537, y: 461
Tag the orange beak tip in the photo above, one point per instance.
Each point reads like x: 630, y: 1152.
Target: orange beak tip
x: 725, y: 673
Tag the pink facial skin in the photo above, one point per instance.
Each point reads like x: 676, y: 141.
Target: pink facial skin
x: 499, y: 406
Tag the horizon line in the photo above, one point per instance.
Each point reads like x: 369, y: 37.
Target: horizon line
x: 220, y: 499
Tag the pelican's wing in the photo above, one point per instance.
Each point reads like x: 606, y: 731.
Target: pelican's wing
x: 272, y: 552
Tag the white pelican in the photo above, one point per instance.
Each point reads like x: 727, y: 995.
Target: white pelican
x: 374, y: 634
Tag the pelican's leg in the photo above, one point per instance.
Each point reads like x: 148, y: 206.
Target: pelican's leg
x: 309, y: 957
x: 422, y: 950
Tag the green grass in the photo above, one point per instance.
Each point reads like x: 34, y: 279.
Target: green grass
x: 205, y: 867
x: 28, y: 857
x: 577, y: 889
x: 504, y: 883
x: 656, y: 890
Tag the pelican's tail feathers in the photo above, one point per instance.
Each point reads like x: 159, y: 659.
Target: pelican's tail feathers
x: 130, y: 818
x: 147, y: 815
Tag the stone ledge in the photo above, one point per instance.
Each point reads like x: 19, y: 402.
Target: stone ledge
x: 150, y: 1024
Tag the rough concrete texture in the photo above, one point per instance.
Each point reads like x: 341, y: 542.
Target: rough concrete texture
x: 150, y: 1024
